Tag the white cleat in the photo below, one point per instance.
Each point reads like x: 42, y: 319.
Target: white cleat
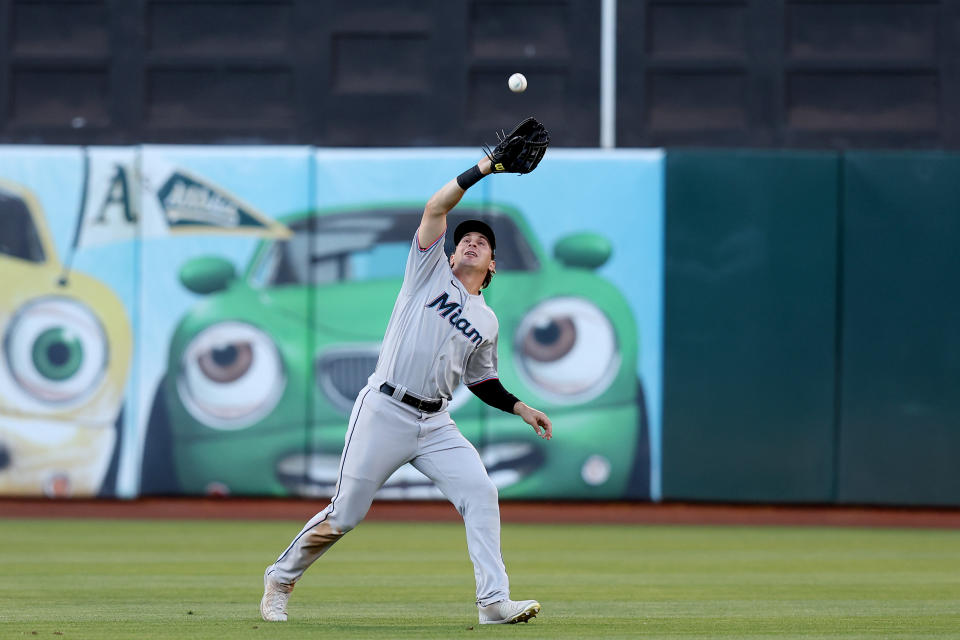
x: 273, y: 605
x: 509, y: 611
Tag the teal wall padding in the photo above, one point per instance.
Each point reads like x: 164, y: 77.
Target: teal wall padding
x: 900, y: 371
x: 750, y: 326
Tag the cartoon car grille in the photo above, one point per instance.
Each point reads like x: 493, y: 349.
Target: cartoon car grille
x: 341, y: 374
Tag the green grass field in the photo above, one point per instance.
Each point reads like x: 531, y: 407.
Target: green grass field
x: 106, y: 579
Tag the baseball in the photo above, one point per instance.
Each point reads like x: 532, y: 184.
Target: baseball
x: 517, y: 83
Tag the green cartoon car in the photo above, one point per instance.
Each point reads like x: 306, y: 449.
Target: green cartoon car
x: 264, y: 370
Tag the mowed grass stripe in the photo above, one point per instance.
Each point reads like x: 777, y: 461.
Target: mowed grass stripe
x: 106, y: 579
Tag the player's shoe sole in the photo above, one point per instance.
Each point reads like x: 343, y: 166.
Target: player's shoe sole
x: 526, y: 614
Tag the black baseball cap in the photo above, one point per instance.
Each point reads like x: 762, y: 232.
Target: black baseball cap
x: 479, y: 226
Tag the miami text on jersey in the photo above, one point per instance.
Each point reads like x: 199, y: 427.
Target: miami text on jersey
x: 451, y: 311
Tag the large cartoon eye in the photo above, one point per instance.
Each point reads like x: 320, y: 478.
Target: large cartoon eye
x: 567, y: 347
x: 56, y: 349
x: 231, y: 376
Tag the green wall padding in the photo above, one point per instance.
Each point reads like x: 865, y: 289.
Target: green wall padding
x: 900, y: 390
x: 750, y: 326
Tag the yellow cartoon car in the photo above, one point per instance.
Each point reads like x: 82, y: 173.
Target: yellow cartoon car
x: 65, y: 357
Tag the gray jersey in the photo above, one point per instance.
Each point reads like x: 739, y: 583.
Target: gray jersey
x: 439, y: 334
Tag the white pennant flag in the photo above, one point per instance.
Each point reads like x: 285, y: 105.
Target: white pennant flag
x: 124, y: 199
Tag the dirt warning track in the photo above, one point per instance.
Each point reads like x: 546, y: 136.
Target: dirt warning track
x: 514, y: 512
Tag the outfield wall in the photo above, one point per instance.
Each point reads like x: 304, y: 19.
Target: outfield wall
x: 736, y: 326
x: 199, y: 320
x: 812, y: 329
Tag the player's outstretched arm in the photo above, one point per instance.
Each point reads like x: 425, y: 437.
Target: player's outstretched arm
x: 519, y: 151
x: 536, y: 419
x: 434, y: 219
x: 491, y: 392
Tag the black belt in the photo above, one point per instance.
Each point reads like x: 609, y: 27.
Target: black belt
x: 429, y: 406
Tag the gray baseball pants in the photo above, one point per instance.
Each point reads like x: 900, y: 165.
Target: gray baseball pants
x: 383, y: 435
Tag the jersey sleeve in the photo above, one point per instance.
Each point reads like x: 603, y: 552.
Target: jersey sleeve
x: 423, y: 261
x: 482, y: 363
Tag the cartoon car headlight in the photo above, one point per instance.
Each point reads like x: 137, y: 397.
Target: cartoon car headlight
x: 231, y: 375
x: 57, y: 351
x: 64, y: 359
x: 567, y: 349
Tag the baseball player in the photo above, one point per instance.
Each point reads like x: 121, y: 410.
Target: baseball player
x: 441, y: 332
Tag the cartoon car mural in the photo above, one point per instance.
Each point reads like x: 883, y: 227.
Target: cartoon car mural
x: 263, y: 372
x: 66, y: 354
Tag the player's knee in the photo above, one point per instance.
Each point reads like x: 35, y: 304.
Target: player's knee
x: 483, y: 492
x: 346, y: 522
x: 348, y: 517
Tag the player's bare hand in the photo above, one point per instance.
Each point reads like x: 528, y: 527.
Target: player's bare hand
x: 536, y: 419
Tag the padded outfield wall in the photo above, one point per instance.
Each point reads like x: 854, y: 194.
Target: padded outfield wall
x: 198, y: 320
x: 726, y: 326
x: 811, y: 330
